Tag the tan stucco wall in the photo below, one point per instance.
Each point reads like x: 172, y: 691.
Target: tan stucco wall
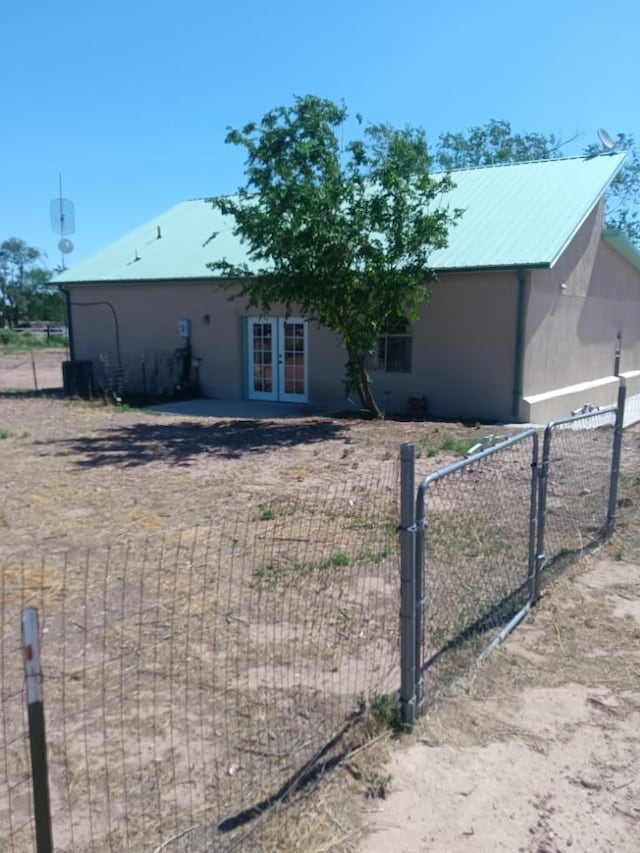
x: 574, y: 313
x: 463, y: 350
x: 464, y: 367
x: 147, y: 316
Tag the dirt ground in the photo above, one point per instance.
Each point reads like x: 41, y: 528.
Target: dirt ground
x: 537, y: 749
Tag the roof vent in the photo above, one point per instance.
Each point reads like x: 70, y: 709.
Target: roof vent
x: 159, y: 234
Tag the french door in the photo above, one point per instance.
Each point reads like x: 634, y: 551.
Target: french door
x: 277, y: 359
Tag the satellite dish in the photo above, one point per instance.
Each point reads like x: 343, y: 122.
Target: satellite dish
x: 65, y: 245
x: 607, y: 142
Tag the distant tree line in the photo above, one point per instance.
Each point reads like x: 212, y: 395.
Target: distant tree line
x: 26, y: 292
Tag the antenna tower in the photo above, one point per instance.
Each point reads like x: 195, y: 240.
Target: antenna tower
x: 63, y: 222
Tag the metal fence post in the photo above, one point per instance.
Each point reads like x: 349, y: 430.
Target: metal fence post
x: 615, y: 460
x: 543, y: 478
x: 407, y: 532
x: 533, y: 521
x: 37, y: 736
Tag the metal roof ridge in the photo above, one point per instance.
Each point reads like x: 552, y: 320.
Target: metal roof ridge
x: 485, y: 166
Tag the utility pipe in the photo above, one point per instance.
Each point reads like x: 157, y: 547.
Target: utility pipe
x: 518, y: 357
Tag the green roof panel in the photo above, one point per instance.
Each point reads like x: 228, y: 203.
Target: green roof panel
x: 521, y: 214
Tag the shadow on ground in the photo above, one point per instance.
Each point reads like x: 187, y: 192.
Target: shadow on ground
x: 43, y: 393
x: 180, y: 443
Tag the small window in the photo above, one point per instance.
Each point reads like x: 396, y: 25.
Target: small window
x: 394, y: 349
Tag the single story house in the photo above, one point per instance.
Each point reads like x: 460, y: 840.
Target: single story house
x: 535, y: 312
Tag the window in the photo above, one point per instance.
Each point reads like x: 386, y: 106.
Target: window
x: 394, y: 349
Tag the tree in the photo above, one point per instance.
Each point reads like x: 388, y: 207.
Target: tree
x: 25, y: 292
x: 623, y: 197
x: 495, y: 143
x: 492, y: 144
x: 342, y: 236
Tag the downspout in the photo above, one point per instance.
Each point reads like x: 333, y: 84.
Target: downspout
x: 67, y: 299
x: 518, y: 356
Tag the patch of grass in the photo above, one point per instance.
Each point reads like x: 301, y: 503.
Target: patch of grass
x: 360, y: 522
x: 271, y: 574
x: 267, y: 514
x: 377, y: 785
x: 386, y: 710
x: 459, y: 446
x: 618, y: 553
x: 335, y: 561
x: 376, y: 555
x: 447, y: 444
x: 11, y: 341
x: 4, y: 433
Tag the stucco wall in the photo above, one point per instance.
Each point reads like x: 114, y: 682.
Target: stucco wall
x: 463, y: 343
x: 574, y: 314
x: 463, y: 350
x: 147, y: 315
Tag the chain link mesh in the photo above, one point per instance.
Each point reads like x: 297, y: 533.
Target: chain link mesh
x: 476, y: 557
x: 578, y: 454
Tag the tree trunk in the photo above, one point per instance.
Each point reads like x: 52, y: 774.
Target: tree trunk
x: 367, y: 400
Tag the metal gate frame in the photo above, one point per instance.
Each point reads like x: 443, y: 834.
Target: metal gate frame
x: 413, y: 529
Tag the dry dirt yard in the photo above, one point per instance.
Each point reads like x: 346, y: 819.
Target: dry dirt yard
x: 537, y: 749
x: 78, y: 474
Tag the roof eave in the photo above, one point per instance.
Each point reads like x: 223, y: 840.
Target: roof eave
x: 622, y: 245
x: 515, y: 265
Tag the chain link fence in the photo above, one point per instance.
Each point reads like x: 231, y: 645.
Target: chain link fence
x: 192, y: 680
x: 474, y: 555
x: 575, y: 486
x: 487, y: 531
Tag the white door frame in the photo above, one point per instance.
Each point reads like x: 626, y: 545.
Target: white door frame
x: 276, y: 363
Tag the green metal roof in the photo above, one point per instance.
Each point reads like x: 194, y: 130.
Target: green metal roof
x: 523, y: 214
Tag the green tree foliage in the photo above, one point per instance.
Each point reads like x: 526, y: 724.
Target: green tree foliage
x: 341, y: 234
x: 495, y: 143
x: 623, y: 197
x: 25, y: 291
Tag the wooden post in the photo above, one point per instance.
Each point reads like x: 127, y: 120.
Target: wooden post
x: 37, y: 734
x: 33, y: 368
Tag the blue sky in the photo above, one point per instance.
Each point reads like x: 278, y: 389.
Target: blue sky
x: 130, y: 100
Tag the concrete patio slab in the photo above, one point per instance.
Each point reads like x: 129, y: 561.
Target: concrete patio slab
x: 237, y: 409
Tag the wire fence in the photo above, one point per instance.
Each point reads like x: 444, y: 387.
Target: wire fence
x: 486, y: 532
x: 475, y: 554
x: 146, y: 375
x: 191, y: 679
x: 576, y: 483
x: 31, y: 370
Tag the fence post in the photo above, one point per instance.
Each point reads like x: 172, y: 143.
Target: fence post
x: 37, y: 735
x: 407, y: 532
x: 543, y: 478
x: 615, y: 460
x: 532, y: 568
